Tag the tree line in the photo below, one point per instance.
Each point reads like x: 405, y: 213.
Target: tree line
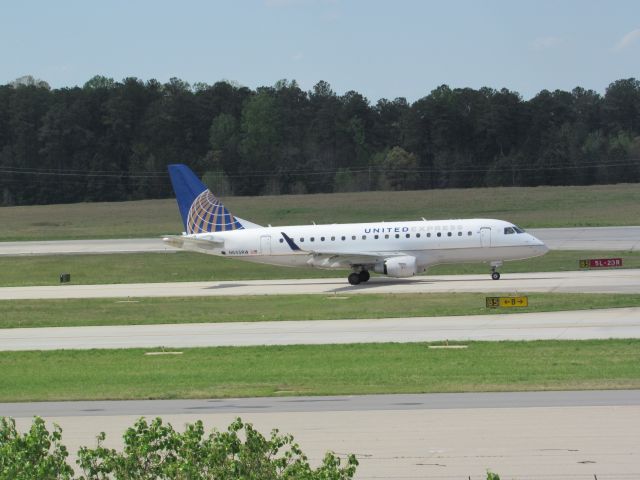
x: 112, y: 140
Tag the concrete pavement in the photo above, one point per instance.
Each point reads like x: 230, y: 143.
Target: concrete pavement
x: 593, y: 281
x: 573, y: 325
x: 548, y: 439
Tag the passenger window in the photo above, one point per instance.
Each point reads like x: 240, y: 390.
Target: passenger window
x: 376, y: 237
x: 417, y: 235
x: 408, y: 235
x: 386, y: 236
x: 322, y: 239
x: 333, y: 239
x: 469, y: 234
x: 301, y: 239
x: 397, y: 235
x: 282, y: 240
x: 364, y: 237
x: 459, y: 234
x: 353, y: 237
x: 448, y: 234
x: 439, y: 234
x: 428, y: 235
x: 312, y: 239
x: 344, y: 238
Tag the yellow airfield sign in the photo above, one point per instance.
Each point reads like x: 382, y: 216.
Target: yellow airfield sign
x: 507, y: 302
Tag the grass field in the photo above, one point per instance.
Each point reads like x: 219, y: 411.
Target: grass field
x: 85, y: 312
x: 319, y: 370
x: 184, y: 266
x: 599, y: 205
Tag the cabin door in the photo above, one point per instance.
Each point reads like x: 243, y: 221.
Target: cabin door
x: 485, y: 236
x: 265, y: 245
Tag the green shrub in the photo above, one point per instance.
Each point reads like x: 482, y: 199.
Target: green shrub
x: 34, y: 454
x: 156, y: 451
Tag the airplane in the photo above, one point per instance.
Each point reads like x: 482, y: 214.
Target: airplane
x: 397, y: 249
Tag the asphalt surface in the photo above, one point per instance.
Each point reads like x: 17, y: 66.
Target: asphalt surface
x: 588, y: 281
x: 574, y: 325
x: 345, y: 403
x: 532, y: 435
x: 596, y: 238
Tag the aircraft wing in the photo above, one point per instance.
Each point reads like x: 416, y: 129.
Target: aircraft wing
x: 347, y: 259
x: 193, y: 244
x: 337, y: 259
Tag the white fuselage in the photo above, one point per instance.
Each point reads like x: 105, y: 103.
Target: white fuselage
x: 431, y: 242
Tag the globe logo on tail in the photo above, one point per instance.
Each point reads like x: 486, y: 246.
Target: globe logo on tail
x: 207, y: 214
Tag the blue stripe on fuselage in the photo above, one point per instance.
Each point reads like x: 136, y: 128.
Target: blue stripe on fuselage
x: 290, y: 241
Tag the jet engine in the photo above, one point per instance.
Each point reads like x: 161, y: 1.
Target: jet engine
x: 397, y: 267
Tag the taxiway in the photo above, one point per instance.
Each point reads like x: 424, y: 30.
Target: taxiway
x: 593, y: 281
x: 574, y: 325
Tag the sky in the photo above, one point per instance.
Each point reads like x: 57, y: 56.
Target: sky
x: 381, y: 49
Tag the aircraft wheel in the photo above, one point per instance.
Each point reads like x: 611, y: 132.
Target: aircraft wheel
x: 495, y: 275
x: 354, y: 278
x: 364, y: 276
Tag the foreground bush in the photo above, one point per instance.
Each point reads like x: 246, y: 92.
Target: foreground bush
x: 156, y: 451
x: 34, y: 454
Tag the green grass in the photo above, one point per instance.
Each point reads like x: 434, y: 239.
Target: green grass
x: 598, y: 205
x: 319, y: 370
x: 184, y: 266
x: 85, y: 312
x: 141, y: 268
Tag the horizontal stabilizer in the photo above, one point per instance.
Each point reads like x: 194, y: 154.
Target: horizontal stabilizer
x: 194, y: 244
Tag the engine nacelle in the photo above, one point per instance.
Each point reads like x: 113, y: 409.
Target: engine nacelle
x: 397, y: 267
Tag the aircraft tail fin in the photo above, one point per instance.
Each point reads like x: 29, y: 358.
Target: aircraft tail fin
x: 200, y: 210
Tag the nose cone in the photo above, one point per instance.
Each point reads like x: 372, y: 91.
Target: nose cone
x: 537, y: 245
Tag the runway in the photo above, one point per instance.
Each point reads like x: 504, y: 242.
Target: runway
x: 596, y: 238
x: 594, y: 281
x: 527, y: 435
x: 575, y: 325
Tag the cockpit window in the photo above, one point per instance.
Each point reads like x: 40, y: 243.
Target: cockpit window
x: 518, y: 229
x: 508, y: 230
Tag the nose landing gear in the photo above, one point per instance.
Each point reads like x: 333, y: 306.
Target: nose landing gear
x: 495, y: 275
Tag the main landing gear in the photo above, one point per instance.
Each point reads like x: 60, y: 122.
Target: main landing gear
x: 356, y: 278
